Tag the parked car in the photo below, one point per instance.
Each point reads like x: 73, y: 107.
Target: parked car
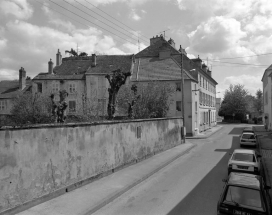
x: 248, y: 139
x: 244, y: 160
x: 248, y: 130
x: 244, y: 194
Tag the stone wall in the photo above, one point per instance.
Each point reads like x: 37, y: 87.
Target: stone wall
x: 37, y: 161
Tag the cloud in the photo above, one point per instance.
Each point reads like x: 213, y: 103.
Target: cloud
x: 133, y: 49
x: 8, y: 74
x: 216, y: 35
x: 260, y: 25
x: 134, y: 15
x: 251, y: 83
x: 21, y: 9
x: 32, y: 46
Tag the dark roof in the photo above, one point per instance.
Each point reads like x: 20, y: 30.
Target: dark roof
x: 153, y: 68
x: 10, y: 89
x: 154, y: 50
x: 109, y: 63
x: 74, y: 68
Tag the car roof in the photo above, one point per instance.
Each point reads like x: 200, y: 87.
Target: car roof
x: 247, y: 151
x: 248, y: 129
x: 247, y: 133
x: 244, y: 179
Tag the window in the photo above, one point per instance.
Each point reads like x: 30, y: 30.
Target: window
x: 72, y: 106
x: 178, y: 86
x: 55, y: 87
x: 200, y: 81
x: 195, y: 106
x: 178, y: 105
x: 139, y: 132
x: 203, y: 99
x: 72, y: 87
x: 3, y: 104
x: 200, y: 97
x: 39, y: 87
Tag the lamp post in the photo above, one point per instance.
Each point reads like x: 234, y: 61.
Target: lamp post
x: 182, y: 95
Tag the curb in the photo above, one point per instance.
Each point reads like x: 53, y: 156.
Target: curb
x: 205, y: 136
x: 116, y: 195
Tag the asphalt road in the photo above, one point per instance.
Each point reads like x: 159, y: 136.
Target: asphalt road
x: 190, y: 185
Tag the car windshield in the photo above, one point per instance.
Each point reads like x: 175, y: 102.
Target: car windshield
x: 243, y: 157
x: 248, y: 136
x: 245, y: 197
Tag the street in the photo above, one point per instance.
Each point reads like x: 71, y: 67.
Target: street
x: 190, y: 185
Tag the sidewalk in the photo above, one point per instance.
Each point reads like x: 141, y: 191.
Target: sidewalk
x: 265, y: 148
x: 207, y: 133
x: 93, y: 196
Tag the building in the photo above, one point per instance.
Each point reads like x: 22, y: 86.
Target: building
x: 267, y: 97
x: 84, y: 80
x: 218, y: 105
x: 162, y: 61
x: 11, y: 89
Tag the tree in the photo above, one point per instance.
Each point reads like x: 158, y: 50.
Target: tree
x: 149, y: 100
x: 72, y: 52
x: 31, y: 108
x: 116, y: 80
x: 234, y: 102
x: 258, y: 103
x: 83, y: 54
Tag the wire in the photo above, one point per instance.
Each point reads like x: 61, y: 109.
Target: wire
x: 114, y: 18
x: 98, y: 19
x: 243, y: 56
x: 239, y: 63
x: 89, y: 21
x: 107, y: 19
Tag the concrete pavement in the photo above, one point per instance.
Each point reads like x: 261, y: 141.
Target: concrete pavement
x: 93, y: 196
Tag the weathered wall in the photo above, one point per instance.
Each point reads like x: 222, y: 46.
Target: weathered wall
x: 37, y: 161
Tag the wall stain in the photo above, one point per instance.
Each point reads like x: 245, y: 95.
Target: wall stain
x: 7, y: 160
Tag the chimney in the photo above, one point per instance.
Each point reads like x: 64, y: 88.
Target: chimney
x: 22, y: 78
x: 181, y: 50
x: 93, y: 60
x: 172, y: 42
x: 50, y: 67
x: 209, y: 72
x: 204, y: 67
x: 156, y: 39
x: 198, y: 61
x: 58, y: 58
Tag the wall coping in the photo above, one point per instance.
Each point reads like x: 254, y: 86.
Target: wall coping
x: 81, y: 124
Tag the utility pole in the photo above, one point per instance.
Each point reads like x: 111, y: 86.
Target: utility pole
x: 182, y: 94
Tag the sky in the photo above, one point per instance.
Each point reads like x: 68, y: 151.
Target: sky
x: 234, y: 37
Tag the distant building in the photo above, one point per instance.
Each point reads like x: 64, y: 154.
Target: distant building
x: 12, y: 89
x: 84, y: 80
x: 218, y: 105
x: 267, y: 97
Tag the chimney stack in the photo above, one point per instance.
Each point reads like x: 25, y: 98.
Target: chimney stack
x: 22, y: 78
x: 204, y: 67
x: 209, y: 72
x: 156, y: 39
x: 58, y: 58
x: 50, y: 67
x: 172, y: 42
x: 93, y: 60
x: 198, y: 61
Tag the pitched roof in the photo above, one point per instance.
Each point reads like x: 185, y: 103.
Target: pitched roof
x: 10, y: 89
x: 265, y: 71
x: 154, y: 50
x: 109, y: 63
x: 153, y: 68
x: 74, y: 68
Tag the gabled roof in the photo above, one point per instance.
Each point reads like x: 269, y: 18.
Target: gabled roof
x: 153, y: 68
x: 109, y: 63
x: 75, y: 68
x: 10, y: 89
x: 265, y: 71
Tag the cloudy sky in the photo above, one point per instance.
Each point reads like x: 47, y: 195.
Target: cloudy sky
x: 235, y: 36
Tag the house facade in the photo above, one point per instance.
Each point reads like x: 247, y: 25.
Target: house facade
x: 11, y: 89
x: 162, y: 61
x: 267, y: 97
x: 84, y: 80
